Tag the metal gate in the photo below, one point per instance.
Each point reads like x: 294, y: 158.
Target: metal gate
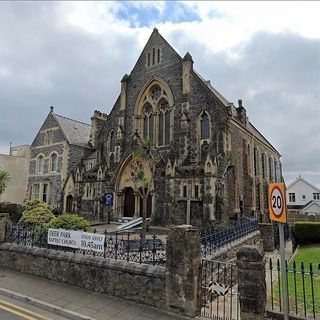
x: 219, y: 291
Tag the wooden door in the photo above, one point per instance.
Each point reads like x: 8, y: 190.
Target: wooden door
x: 129, y: 202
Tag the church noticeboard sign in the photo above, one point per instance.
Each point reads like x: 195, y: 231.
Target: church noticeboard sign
x: 108, y: 199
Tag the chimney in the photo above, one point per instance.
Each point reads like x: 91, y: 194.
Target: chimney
x: 97, y: 121
x: 241, y: 113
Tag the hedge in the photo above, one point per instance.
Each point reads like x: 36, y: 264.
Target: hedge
x: 307, y: 232
x: 70, y: 222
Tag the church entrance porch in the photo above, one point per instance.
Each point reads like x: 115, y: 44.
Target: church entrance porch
x: 127, y: 191
x: 149, y: 206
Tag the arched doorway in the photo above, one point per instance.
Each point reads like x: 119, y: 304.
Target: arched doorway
x: 129, y: 202
x: 69, y: 203
x: 149, y: 206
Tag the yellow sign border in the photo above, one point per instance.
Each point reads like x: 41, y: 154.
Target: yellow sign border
x: 281, y: 188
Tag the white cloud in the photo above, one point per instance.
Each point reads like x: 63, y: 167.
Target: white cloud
x: 74, y: 54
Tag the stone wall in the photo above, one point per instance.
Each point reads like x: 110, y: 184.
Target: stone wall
x: 131, y: 281
x: 252, y: 284
x: 267, y: 236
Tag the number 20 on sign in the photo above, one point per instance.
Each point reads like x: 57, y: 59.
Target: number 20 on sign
x: 277, y: 202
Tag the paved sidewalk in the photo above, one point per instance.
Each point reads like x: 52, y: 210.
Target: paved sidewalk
x: 275, y: 255
x: 63, y: 297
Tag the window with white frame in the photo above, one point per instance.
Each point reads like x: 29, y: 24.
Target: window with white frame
x: 35, y: 191
x: 39, y: 164
x: 40, y: 191
x: 54, y: 162
x: 316, y: 196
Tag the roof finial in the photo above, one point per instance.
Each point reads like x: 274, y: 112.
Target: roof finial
x: 51, y: 109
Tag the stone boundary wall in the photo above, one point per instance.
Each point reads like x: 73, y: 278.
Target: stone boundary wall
x: 140, y: 283
x: 229, y: 251
x: 267, y: 236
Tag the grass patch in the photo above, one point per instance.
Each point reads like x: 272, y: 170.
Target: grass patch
x: 301, y: 296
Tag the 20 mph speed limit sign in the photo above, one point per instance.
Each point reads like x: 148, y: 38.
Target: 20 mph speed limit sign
x: 277, y: 202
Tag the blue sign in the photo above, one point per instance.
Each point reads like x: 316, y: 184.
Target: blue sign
x: 108, y: 199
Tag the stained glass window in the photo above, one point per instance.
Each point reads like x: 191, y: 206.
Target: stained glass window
x: 204, y: 126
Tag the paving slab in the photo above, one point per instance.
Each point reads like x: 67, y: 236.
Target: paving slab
x: 73, y: 302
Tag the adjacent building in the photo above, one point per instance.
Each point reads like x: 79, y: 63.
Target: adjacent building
x: 303, y: 200
x: 215, y: 165
x: 55, y: 153
x: 16, y: 164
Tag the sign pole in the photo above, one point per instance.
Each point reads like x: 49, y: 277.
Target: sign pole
x: 278, y: 212
x: 283, y: 272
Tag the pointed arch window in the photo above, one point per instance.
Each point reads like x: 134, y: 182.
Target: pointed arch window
x: 155, y: 114
x: 111, y: 146
x: 204, y: 126
x: 54, y: 162
x: 40, y: 164
x: 163, y: 123
x: 148, y: 122
x: 112, y: 141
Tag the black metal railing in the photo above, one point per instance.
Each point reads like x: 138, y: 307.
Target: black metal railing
x: 127, y: 246
x: 303, y: 289
x: 219, y: 290
x: 212, y: 241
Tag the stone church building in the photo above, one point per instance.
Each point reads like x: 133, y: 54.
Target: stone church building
x: 214, y: 164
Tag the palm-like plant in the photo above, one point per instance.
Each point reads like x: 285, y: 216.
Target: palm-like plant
x: 4, y: 180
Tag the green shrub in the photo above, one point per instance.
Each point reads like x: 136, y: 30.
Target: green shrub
x: 70, y: 222
x: 36, y: 214
x: 307, y: 232
x: 14, y: 210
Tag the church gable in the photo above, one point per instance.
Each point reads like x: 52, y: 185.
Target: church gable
x: 49, y: 132
x: 156, y: 54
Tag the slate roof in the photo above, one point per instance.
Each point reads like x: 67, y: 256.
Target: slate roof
x: 76, y: 132
x: 226, y: 103
x: 92, y: 155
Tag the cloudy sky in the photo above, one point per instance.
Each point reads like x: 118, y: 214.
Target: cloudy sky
x: 72, y: 55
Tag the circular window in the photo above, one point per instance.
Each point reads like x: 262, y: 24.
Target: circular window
x: 155, y: 92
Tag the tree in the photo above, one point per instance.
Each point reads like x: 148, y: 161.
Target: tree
x: 4, y: 180
x: 144, y: 161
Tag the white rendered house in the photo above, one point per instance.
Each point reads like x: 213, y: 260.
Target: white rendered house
x: 303, y: 197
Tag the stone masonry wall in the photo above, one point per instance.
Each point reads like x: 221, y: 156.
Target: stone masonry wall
x: 267, y: 236
x: 131, y: 281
